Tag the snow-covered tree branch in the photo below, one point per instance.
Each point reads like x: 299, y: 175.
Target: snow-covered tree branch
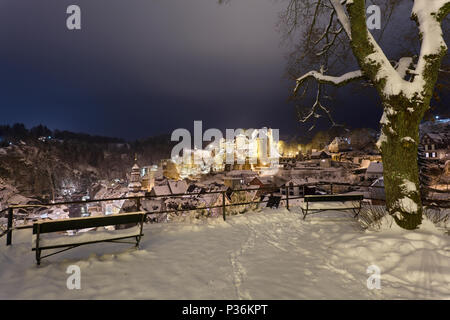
x: 325, y: 79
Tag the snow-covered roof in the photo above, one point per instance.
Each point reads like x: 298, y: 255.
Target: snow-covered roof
x: 439, y: 138
x: 209, y: 199
x: 319, y: 153
x: 178, y: 186
x: 295, y: 181
x: 241, y: 173
x: 161, y: 190
x: 265, y: 180
x: 375, y: 167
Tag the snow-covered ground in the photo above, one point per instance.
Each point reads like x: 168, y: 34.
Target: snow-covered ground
x: 271, y: 254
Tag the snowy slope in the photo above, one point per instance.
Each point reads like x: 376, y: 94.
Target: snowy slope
x: 271, y: 254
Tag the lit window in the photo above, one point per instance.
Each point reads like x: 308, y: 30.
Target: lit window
x: 427, y: 155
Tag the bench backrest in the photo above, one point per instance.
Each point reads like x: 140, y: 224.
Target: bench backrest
x: 334, y: 197
x: 87, y: 222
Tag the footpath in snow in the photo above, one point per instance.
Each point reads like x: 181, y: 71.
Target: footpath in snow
x: 271, y: 254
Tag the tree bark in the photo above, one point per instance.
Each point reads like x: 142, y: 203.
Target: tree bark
x: 399, y: 150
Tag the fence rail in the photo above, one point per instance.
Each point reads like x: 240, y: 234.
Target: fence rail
x: 263, y: 190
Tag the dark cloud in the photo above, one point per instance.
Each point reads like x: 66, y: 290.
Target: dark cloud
x: 144, y: 67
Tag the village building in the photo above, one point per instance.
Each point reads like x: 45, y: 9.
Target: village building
x: 339, y: 144
x: 294, y: 187
x: 233, y: 182
x: 161, y: 191
x: 436, y: 146
x: 264, y: 184
x: 320, y: 155
x: 195, y: 189
x: 325, y: 163
x: 149, y: 176
x: 170, y: 169
x: 135, y: 186
x: 178, y: 187
x: 299, y: 187
x: 374, y: 170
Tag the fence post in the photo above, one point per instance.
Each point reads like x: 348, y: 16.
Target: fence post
x: 287, y: 197
x: 331, y: 188
x: 223, y: 205
x: 10, y: 223
x: 138, y: 204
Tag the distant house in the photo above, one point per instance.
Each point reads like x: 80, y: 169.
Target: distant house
x: 95, y: 209
x: 294, y: 187
x: 233, y: 182
x: 265, y: 184
x: 325, y: 163
x: 194, y: 189
x: 436, y: 145
x: 374, y: 170
x: 320, y: 155
x: 263, y: 181
x: 299, y: 187
x: 339, y: 144
x: 178, y: 187
x: 160, y: 191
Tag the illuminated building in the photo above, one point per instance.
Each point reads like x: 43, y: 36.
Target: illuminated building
x: 250, y: 151
x: 135, y: 186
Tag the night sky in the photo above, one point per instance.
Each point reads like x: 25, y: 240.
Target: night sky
x: 145, y: 67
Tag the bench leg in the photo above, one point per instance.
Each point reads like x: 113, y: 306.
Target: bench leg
x: 38, y: 257
x: 138, y: 240
x: 305, y: 212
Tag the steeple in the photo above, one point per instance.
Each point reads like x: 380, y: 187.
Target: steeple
x: 134, y: 187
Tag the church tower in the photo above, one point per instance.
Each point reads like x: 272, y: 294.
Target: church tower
x: 135, y: 186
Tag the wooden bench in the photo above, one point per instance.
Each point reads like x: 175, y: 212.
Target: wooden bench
x: 333, y: 202
x: 44, y: 237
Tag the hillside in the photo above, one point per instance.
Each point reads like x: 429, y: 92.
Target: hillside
x: 65, y: 165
